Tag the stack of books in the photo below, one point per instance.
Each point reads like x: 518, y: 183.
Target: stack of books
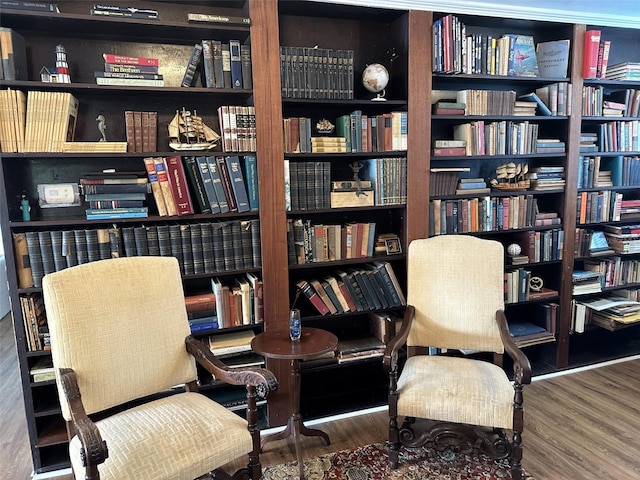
x: 585, y: 282
x: 231, y: 343
x: 472, y: 186
x: 547, y: 178
x: 549, y: 145
x: 443, y: 181
x: 359, y: 349
x: 523, y: 108
x: 115, y: 195
x: 446, y: 148
x: 328, y: 145
x: 624, y: 71
x: 528, y: 333
x: 588, y: 142
x: 130, y: 71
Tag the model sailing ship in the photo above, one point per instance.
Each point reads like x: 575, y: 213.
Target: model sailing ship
x: 187, y: 131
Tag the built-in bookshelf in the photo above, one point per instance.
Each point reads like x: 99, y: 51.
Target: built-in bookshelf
x: 120, y: 175
x: 608, y: 194
x: 327, y: 191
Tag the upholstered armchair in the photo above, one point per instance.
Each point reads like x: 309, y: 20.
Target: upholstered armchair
x: 455, y: 302
x: 121, y: 344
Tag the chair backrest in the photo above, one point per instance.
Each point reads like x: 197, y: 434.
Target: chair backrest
x: 120, y: 324
x: 456, y: 284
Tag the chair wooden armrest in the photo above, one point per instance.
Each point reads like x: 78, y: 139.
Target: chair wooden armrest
x: 94, y: 450
x: 390, y: 358
x: 521, y: 365
x: 262, y: 379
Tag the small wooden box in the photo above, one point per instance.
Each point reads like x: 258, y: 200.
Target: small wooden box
x: 351, y: 199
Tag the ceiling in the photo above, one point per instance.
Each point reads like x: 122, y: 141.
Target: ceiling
x: 617, y: 13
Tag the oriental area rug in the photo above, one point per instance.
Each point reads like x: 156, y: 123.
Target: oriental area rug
x: 370, y: 463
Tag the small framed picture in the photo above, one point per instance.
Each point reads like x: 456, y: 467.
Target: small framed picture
x: 393, y: 246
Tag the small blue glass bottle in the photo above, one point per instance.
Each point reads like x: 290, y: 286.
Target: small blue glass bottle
x: 295, y: 326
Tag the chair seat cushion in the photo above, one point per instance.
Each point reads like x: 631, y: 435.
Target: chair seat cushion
x: 454, y: 389
x: 182, y: 436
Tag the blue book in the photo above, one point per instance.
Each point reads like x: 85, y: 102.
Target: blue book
x: 251, y: 174
x: 216, y: 180
x: 115, y: 196
x: 467, y: 186
x: 207, y: 181
x: 518, y: 329
x: 236, y: 63
x: 113, y: 216
x: 533, y: 97
x: 237, y: 183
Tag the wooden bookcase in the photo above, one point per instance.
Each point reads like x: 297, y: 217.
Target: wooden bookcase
x: 402, y: 41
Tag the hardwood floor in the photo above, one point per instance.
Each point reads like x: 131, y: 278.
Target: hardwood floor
x: 584, y: 425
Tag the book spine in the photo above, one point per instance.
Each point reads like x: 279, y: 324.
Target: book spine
x: 164, y: 240
x: 313, y: 297
x: 144, y: 76
x: 217, y: 64
x: 247, y: 75
x: 225, y: 19
x: 236, y: 245
x: 251, y: 175
x: 197, y: 248
x: 23, y: 267
x: 227, y: 246
x: 226, y: 184
x: 207, y: 60
x: 153, y: 131
x: 178, y: 182
x: 163, y: 180
x: 156, y: 189
x: 236, y: 64
x: 153, y: 242
x: 130, y: 131
x: 134, y: 82
x: 187, y: 249
x: 197, y: 184
x: 226, y: 65
x: 207, y: 182
x: 246, y: 243
x: 216, y: 181
x: 255, y: 243
x: 590, y: 54
x: 218, y: 246
x: 116, y: 68
x: 137, y: 129
x: 192, y: 66
x: 237, y: 184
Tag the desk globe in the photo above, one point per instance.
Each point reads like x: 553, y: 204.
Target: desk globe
x: 375, y: 79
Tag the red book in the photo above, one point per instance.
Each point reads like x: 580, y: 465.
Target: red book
x: 590, y: 56
x: 347, y: 296
x: 449, y: 151
x: 313, y: 297
x: 178, y: 183
x: 449, y: 111
x: 200, y: 302
x: 126, y: 60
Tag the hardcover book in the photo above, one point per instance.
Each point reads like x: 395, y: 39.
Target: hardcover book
x: 553, y: 58
x: 178, y: 183
x: 189, y: 77
x: 522, y: 56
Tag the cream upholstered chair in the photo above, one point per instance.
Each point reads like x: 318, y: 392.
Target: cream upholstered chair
x: 119, y: 333
x: 455, y: 302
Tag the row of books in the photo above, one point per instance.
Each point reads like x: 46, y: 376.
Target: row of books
x: 456, y: 52
x: 35, y: 322
x: 220, y: 64
x: 238, y: 128
x: 625, y: 243
x: 141, y: 130
x: 311, y: 72
x: 355, y: 132
x: 308, y: 185
x: 308, y: 242
x: 541, y: 245
x: 239, y: 304
x: 597, y: 171
x: 620, y: 103
x: 611, y: 312
x: 595, y: 56
x: 619, y: 136
x: 203, y: 184
x: 553, y: 99
x: 518, y: 288
x: 206, y: 247
x: 615, y: 271
x: 374, y: 286
x: 600, y: 206
x: 37, y: 122
x: 487, y: 214
x: 504, y: 137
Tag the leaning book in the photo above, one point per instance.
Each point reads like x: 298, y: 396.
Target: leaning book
x: 553, y: 58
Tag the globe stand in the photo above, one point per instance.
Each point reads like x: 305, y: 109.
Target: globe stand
x: 379, y: 97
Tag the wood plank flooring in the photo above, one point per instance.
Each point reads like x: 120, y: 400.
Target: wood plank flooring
x: 579, y: 426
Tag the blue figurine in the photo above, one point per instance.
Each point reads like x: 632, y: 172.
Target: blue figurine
x: 25, y: 207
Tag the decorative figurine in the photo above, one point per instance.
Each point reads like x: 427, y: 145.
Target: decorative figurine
x: 25, y: 207
x: 102, y: 127
x: 356, y: 167
x: 62, y: 67
x: 187, y: 131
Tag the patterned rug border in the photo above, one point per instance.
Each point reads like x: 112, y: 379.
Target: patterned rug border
x: 370, y: 462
